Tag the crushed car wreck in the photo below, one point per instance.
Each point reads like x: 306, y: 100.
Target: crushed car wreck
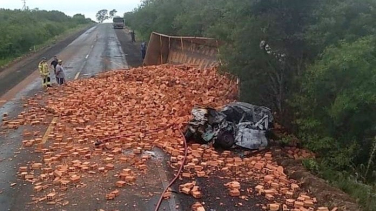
x: 237, y: 124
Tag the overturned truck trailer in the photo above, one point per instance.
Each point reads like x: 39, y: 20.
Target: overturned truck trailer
x: 198, y: 51
x: 239, y: 124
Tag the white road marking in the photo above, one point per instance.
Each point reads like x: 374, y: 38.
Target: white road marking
x: 76, y: 75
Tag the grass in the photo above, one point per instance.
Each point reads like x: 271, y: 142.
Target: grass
x: 353, y: 183
x: 4, y: 62
x: 49, y: 42
x: 355, y: 186
x: 142, y: 38
x: 66, y: 33
x: 365, y: 194
x: 139, y: 36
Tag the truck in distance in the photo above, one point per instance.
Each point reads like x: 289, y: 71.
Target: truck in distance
x: 118, y: 22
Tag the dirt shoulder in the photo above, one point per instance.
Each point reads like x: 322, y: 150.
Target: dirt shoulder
x: 131, y: 49
x: 326, y: 194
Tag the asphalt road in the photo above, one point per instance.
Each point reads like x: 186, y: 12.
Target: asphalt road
x: 132, y: 50
x: 20, y: 70
x: 95, y: 50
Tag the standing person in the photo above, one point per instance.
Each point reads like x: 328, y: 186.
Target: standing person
x: 60, y: 75
x: 54, y: 64
x: 44, y: 73
x: 133, y: 35
x: 143, y: 50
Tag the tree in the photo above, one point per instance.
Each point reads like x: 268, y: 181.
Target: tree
x: 311, y: 61
x: 266, y: 49
x: 113, y: 13
x: 79, y: 18
x: 19, y: 36
x: 338, y: 101
x: 356, y: 20
x: 102, y: 15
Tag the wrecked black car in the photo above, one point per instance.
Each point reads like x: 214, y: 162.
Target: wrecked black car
x: 237, y: 124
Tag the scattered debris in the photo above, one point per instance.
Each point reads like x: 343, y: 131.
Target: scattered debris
x: 198, y: 207
x: 299, y: 154
x: 133, y: 111
x: 167, y: 194
x: 191, y: 189
x: 237, y: 124
x: 234, y: 188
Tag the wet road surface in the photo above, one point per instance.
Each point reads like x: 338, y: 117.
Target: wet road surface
x: 96, y: 50
x: 20, y: 70
x: 131, y: 49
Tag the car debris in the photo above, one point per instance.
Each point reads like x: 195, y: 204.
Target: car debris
x: 113, y: 144
x: 236, y: 124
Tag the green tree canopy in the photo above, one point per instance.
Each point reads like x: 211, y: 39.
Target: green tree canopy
x: 21, y: 30
x: 337, y: 106
x: 102, y: 15
x: 311, y: 61
x: 113, y: 13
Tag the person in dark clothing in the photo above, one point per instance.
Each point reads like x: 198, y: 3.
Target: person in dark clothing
x: 133, y: 35
x: 143, y: 50
x: 54, y: 64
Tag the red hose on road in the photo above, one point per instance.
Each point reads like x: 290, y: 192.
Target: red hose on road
x: 177, y: 175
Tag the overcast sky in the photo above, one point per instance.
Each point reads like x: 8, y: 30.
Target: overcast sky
x: 70, y: 7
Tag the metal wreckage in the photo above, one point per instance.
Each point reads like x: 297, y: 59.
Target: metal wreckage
x: 236, y: 124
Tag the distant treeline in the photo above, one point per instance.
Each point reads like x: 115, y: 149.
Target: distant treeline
x: 20, y: 30
x: 312, y: 61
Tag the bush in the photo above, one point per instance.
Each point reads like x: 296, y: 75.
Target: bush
x: 338, y: 101
x: 21, y: 30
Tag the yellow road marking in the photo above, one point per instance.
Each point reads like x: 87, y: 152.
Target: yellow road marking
x: 49, y: 130
x: 76, y: 75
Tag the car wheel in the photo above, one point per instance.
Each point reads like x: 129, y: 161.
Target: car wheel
x: 225, y: 140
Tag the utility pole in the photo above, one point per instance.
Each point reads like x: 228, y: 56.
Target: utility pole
x: 24, y: 5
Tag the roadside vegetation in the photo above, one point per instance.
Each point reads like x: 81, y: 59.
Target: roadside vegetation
x: 23, y: 31
x: 312, y: 61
